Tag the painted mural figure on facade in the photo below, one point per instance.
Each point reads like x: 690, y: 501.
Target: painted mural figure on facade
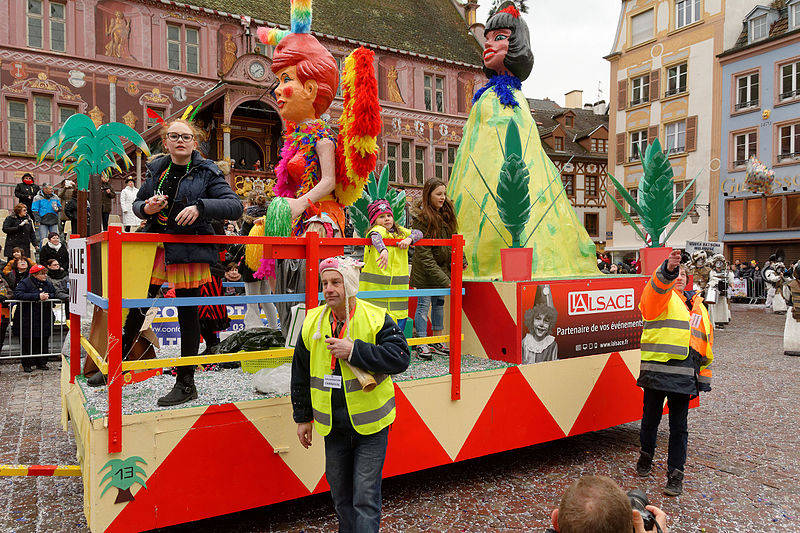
x: 119, y: 31
x: 562, y: 247
x: 394, y: 88
x: 229, y: 54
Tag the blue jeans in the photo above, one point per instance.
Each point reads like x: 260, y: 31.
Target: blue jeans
x: 436, y: 303
x: 354, y: 468
x: 44, y: 231
x: 678, y: 425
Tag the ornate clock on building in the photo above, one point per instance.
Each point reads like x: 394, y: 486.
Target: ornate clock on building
x: 257, y: 70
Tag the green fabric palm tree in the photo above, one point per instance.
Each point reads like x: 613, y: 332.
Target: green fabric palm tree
x: 374, y: 191
x: 657, y: 201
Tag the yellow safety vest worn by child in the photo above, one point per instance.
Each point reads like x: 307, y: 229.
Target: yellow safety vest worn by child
x: 394, y: 277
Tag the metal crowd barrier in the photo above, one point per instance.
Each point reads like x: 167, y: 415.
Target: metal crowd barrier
x: 21, y: 336
x: 755, y: 291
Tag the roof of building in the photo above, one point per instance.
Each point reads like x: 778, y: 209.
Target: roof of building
x: 777, y: 30
x: 585, y: 123
x: 433, y: 28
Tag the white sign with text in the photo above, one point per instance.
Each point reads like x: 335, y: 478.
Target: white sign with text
x: 77, y: 276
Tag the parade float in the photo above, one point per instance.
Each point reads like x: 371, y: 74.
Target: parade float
x: 234, y: 448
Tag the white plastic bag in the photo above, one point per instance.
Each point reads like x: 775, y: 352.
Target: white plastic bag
x: 273, y: 380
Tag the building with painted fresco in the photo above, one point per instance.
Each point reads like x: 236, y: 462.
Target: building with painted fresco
x: 668, y: 84
x: 761, y: 118
x: 575, y: 137
x: 113, y: 59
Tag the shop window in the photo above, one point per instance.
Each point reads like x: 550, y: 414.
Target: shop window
x: 755, y: 213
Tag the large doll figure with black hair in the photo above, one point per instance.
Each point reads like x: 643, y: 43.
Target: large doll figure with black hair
x: 561, y: 245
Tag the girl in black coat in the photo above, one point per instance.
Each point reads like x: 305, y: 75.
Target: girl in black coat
x: 19, y: 228
x: 182, y: 194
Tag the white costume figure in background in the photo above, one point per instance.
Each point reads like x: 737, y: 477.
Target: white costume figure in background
x: 700, y: 271
x: 126, y: 198
x: 774, y: 277
x: 720, y: 280
x: 791, y: 331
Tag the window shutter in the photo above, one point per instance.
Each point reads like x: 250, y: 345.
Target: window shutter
x: 618, y: 197
x: 689, y: 196
x: 691, y: 133
x: 654, y: 85
x: 621, y: 138
x: 622, y: 94
x: 652, y: 134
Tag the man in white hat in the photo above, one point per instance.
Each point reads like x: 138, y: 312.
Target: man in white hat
x: 341, y: 343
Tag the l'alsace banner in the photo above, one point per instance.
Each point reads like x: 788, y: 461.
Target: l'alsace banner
x: 593, y: 316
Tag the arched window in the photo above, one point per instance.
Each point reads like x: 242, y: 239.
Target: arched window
x: 244, y: 148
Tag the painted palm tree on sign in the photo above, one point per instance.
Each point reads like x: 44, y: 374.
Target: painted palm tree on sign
x: 123, y: 474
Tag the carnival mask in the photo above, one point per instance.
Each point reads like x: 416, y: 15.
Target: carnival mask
x: 295, y: 99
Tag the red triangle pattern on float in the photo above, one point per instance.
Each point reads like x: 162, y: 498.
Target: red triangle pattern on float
x: 412, y: 446
x: 614, y: 399
x: 514, y: 417
x: 229, y: 453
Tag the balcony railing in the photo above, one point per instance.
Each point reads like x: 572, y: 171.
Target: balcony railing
x: 793, y: 156
x: 789, y: 94
x: 739, y: 162
x: 676, y: 150
x: 745, y: 105
x: 637, y: 101
x: 673, y: 92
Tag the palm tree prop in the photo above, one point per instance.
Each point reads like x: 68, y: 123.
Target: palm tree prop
x: 374, y: 191
x: 657, y: 201
x: 123, y: 474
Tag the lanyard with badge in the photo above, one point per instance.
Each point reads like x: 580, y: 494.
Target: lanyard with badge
x: 332, y: 381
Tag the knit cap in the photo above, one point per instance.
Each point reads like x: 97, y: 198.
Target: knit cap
x: 378, y: 208
x: 350, y: 269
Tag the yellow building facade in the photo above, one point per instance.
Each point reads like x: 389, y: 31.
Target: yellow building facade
x: 666, y: 82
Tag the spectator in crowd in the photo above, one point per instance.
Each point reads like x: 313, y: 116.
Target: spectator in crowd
x: 21, y: 269
x: 613, y: 269
x: 26, y: 190
x: 257, y: 165
x: 5, y: 317
x: 59, y: 278
x: 66, y: 194
x: 53, y: 249
x: 71, y: 212
x: 596, y: 504
x: 20, y: 233
x: 16, y: 253
x: 33, y: 318
x: 46, y: 212
x: 129, y: 219
x: 108, y: 195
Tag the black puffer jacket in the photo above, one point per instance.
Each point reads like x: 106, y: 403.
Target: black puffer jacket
x: 19, y: 234
x: 204, y: 186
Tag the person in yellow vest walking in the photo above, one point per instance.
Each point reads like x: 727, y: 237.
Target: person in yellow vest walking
x: 387, y: 268
x: 341, y: 343
x: 676, y: 358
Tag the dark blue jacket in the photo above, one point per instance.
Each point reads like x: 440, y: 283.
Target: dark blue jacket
x: 34, y: 317
x: 204, y: 186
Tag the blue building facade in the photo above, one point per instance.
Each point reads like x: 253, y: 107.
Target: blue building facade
x: 761, y: 118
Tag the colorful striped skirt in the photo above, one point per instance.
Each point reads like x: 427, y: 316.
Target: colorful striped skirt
x: 179, y: 276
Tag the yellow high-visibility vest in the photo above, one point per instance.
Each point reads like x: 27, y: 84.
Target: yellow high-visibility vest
x: 395, y: 277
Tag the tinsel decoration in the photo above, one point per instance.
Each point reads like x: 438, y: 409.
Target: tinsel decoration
x: 360, y: 125
x: 759, y: 178
x: 513, y: 198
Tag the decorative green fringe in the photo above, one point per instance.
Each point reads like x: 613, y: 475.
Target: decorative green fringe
x: 278, y: 222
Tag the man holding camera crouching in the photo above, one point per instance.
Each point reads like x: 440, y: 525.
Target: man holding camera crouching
x: 596, y: 504
x: 340, y: 382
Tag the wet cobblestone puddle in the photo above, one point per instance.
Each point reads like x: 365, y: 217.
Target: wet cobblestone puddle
x: 742, y: 475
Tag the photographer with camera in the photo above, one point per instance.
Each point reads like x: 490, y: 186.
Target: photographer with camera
x: 597, y: 504
x: 676, y: 355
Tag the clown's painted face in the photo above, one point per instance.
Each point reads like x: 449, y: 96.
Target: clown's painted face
x: 495, y: 50
x: 295, y: 99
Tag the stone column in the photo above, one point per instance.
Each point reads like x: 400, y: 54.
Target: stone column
x: 226, y: 142
x: 138, y: 169
x: 112, y: 98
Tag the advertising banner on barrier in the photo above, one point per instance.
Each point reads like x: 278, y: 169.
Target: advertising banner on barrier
x: 738, y: 289
x: 165, y: 324
x: 573, y: 318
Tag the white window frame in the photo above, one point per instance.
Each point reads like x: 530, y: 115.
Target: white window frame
x: 676, y: 191
x: 634, y: 192
x: 757, y: 28
x: 34, y: 18
x: 637, y: 145
x: 433, y: 87
x: 789, y: 83
x: 792, y: 133
x: 641, y: 35
x: 686, y: 12
x: 640, y: 86
x: 745, y: 140
x: 794, y: 16
x: 677, y: 79
x: 748, y: 89
x: 586, y: 179
x: 675, y: 137
x: 55, y: 23
x: 18, y: 120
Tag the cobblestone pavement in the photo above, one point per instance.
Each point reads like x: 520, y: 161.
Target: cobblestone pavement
x: 742, y: 475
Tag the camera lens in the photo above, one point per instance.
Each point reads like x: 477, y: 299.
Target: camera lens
x: 639, y: 501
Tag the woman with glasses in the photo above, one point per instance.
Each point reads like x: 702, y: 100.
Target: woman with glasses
x: 182, y: 194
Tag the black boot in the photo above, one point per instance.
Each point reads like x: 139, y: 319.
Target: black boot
x: 96, y: 380
x: 183, y: 390
x: 645, y: 464
x: 674, y: 483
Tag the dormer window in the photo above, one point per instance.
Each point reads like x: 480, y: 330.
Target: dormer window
x: 757, y: 28
x: 569, y: 121
x: 558, y: 144
x: 794, y: 16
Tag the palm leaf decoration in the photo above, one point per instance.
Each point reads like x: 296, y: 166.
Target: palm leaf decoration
x: 122, y: 474
x: 513, y: 198
x: 85, y: 149
x: 657, y: 202
x: 378, y: 189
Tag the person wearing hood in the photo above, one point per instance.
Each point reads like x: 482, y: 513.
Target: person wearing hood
x: 183, y: 193
x: 53, y: 249
x: 46, y: 211
x: 129, y: 220
x: 33, y: 318
x: 18, y: 227
x: 26, y: 190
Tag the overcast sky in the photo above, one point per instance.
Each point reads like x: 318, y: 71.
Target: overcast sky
x: 569, y: 39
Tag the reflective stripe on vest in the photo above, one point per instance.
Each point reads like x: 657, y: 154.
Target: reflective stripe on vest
x: 667, y: 336
x: 394, y: 277
x: 369, y: 411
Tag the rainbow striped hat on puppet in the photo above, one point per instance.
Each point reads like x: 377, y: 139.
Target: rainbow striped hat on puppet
x: 300, y: 23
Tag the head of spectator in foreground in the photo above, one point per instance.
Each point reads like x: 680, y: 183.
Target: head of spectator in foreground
x: 594, y: 504
x: 21, y: 210
x: 232, y: 272
x: 53, y: 264
x: 39, y: 272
